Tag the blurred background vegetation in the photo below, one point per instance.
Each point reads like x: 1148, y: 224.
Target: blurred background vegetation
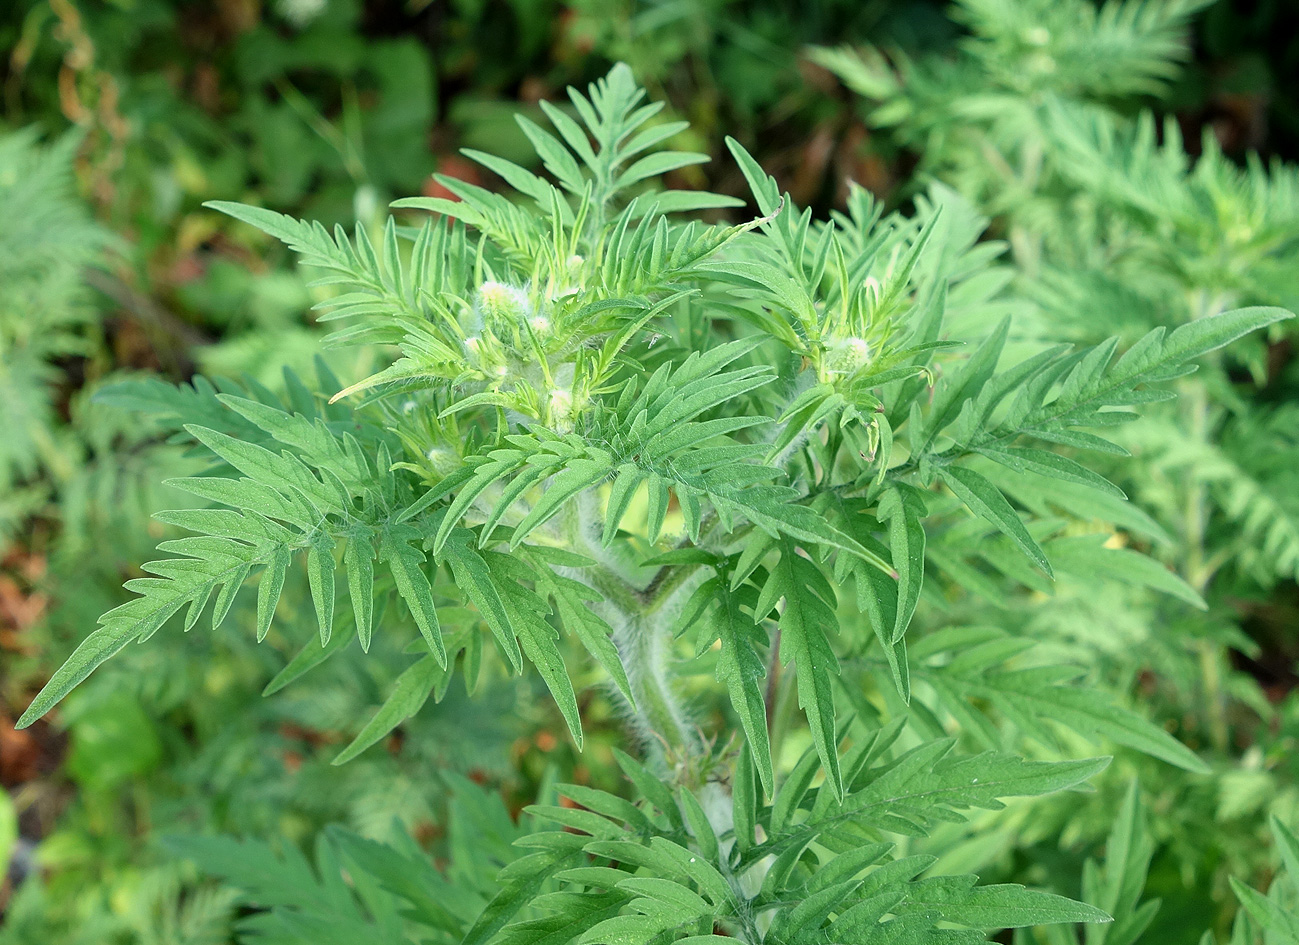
x: 120, y: 117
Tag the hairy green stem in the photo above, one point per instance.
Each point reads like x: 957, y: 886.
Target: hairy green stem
x: 660, y: 718
x: 642, y: 620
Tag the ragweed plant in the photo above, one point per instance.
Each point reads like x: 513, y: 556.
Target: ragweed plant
x: 694, y: 449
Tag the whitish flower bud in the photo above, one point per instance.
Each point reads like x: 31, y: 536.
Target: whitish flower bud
x: 540, y: 325
x: 560, y: 407
x: 443, y: 460
x: 847, y: 356
x: 565, y: 279
x: 502, y: 304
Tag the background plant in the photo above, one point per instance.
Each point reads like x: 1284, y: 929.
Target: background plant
x: 1106, y: 213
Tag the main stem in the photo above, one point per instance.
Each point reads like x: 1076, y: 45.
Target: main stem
x: 659, y: 717
x: 642, y: 617
x: 1199, y: 571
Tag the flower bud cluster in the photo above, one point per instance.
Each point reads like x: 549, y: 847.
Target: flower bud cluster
x: 846, y: 356
x: 559, y: 408
x: 501, y: 306
x: 443, y: 461
x: 506, y: 329
x: 499, y: 316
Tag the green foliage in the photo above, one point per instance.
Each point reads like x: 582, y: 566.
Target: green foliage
x: 1119, y: 226
x: 45, y: 313
x: 980, y: 118
x: 1273, y: 915
x: 607, y: 426
x: 1116, y: 884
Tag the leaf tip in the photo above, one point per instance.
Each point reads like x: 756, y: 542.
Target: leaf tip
x: 28, y: 718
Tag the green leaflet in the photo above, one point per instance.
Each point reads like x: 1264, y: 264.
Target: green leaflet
x: 577, y: 476
x: 650, y: 787
x: 1088, y: 556
x: 358, y: 557
x: 285, y: 473
x: 410, y: 692
x: 103, y: 643
x: 572, y: 599
x: 475, y: 579
x: 1118, y: 885
x: 1094, y: 386
x: 1052, y: 465
x: 981, y: 676
x: 180, y: 581
x: 924, y: 787
x: 974, y: 374
x: 785, y: 292
x: 804, y: 625
x: 742, y: 668
x: 320, y: 577
x: 1269, y: 912
x: 527, y: 612
x: 984, y: 499
x: 317, y: 902
x: 406, y: 564
x: 904, y: 510
x: 877, y: 597
x: 1199, y: 337
x: 1269, y: 915
x: 744, y: 802
x: 269, y: 590
x: 1002, y: 907
x: 411, y: 877
x: 520, y: 883
x: 308, y: 658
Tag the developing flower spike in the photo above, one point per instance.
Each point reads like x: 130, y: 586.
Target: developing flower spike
x: 502, y: 305
x: 846, y: 356
x: 560, y: 408
x: 443, y: 460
